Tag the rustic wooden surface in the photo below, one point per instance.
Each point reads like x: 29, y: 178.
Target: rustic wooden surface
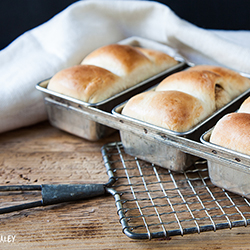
x: 43, y: 154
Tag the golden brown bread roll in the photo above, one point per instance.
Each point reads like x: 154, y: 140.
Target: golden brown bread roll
x: 173, y: 110
x: 108, y: 71
x: 218, y: 84
x: 87, y: 83
x: 233, y: 132
x: 131, y: 63
x: 233, y: 83
x: 201, y: 84
x: 212, y: 87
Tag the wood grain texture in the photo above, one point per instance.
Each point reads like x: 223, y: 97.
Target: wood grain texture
x: 43, y: 154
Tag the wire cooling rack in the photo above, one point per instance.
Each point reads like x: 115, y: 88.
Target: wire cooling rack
x: 153, y: 202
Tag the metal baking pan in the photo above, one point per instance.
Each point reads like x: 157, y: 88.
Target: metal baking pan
x: 159, y: 152
x: 231, y: 169
x: 77, y: 123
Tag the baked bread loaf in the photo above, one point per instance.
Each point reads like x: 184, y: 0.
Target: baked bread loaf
x: 173, y: 110
x: 108, y: 71
x: 87, y: 83
x: 133, y: 64
x: 215, y: 85
x: 212, y: 87
x: 233, y: 132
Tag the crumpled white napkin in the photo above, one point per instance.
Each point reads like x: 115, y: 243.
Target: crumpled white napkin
x: 64, y: 40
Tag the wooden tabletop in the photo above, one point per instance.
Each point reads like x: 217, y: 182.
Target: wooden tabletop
x: 42, y: 154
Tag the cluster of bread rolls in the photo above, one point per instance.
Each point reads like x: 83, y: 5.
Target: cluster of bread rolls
x: 184, y: 99
x: 232, y: 131
x: 108, y: 71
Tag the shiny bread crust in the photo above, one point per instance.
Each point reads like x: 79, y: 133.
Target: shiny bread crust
x: 86, y: 82
x: 211, y: 86
x: 109, y: 70
x: 172, y: 110
x: 233, y: 132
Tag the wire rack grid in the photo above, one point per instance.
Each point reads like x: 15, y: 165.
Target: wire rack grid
x: 153, y: 202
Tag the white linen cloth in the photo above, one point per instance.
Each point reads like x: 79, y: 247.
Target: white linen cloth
x: 64, y: 41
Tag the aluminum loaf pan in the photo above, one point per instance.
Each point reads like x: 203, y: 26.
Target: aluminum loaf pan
x: 158, y: 152
x: 79, y: 124
x: 231, y: 169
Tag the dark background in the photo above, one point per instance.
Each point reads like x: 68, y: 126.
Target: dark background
x: 18, y: 16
